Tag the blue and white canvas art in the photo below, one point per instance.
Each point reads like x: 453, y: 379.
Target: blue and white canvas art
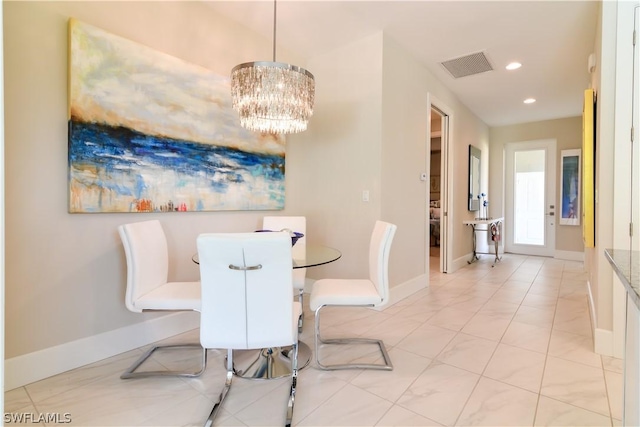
x: 570, y: 188
x: 149, y: 132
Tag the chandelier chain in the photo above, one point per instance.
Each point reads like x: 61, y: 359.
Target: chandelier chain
x: 274, y: 29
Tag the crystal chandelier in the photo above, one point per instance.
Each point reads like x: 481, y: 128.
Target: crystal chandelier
x: 272, y: 97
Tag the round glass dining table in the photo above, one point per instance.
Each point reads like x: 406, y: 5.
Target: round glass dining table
x: 316, y: 255
x: 274, y: 362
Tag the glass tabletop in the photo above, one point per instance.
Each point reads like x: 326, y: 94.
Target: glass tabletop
x: 316, y: 255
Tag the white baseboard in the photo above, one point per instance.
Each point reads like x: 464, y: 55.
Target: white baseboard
x: 28, y: 368
x: 603, y: 342
x: 592, y: 306
x: 458, y: 263
x: 569, y: 255
x: 619, y: 316
x: 602, y: 338
x: 408, y: 288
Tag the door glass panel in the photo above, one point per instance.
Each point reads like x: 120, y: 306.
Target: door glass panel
x: 529, y: 197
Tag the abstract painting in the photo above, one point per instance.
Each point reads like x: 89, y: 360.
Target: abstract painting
x: 149, y: 132
x: 588, y: 169
x: 570, y: 188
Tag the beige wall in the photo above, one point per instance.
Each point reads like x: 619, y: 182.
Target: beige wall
x: 65, y: 274
x: 369, y: 132
x: 339, y: 156
x: 568, y: 134
x: 406, y: 88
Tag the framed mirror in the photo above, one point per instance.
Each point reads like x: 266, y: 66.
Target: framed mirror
x: 474, y: 178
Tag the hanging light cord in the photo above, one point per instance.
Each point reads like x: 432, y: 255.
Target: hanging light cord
x: 274, y: 30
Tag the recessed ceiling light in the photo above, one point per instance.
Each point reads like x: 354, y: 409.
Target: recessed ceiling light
x: 513, y: 66
x: 529, y: 100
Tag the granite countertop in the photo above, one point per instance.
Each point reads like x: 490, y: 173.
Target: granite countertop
x: 626, y: 264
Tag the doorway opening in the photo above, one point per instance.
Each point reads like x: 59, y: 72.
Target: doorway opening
x: 435, y: 190
x: 439, y: 128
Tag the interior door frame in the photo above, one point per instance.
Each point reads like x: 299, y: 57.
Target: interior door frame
x: 635, y: 145
x: 445, y: 180
x: 550, y: 147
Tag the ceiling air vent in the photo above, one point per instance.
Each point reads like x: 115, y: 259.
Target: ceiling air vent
x: 468, y: 65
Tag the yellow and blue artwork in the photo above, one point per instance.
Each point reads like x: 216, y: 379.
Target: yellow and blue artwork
x: 570, y: 198
x: 588, y: 169
x: 149, y: 132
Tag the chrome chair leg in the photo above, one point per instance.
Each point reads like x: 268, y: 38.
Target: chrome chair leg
x: 301, y: 318
x: 294, y: 382
x: 131, y: 371
x: 223, y: 393
x: 386, y: 366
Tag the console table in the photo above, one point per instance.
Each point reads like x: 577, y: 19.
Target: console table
x: 493, y: 226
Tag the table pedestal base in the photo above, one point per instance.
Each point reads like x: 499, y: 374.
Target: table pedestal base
x: 268, y: 363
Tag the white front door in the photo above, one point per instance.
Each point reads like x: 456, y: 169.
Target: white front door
x: 530, y: 197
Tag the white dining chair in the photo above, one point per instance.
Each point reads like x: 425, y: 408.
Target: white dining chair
x: 297, y: 224
x: 247, y: 299
x: 369, y: 293
x: 148, y: 288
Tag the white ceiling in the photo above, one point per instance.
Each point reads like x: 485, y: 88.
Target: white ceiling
x: 552, y: 39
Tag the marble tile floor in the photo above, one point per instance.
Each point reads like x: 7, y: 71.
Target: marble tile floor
x: 504, y: 346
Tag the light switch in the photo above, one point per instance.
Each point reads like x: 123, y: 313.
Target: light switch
x: 365, y: 195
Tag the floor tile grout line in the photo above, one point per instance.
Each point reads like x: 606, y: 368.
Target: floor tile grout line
x: 325, y: 400
x: 481, y: 375
x: 496, y: 349
x: 493, y: 354
x: 544, y: 367
x: 544, y: 370
x: 606, y: 388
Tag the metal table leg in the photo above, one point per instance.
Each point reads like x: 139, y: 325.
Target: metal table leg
x: 268, y: 363
x: 496, y: 242
x: 474, y: 256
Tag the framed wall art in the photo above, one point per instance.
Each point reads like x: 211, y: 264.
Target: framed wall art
x: 149, y: 132
x: 570, y: 188
x: 588, y: 169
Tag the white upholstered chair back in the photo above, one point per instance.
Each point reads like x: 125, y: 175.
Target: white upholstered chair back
x: 145, y: 247
x: 379, y: 249
x: 299, y: 250
x: 365, y: 293
x: 293, y: 223
x: 246, y: 290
